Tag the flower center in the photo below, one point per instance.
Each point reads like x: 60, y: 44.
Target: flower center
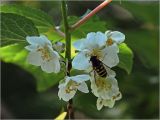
x: 96, y: 52
x: 103, y: 84
x: 71, y: 86
x: 109, y: 42
x: 45, y: 54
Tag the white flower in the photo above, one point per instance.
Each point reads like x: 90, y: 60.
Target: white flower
x: 104, y: 88
x: 114, y: 38
x: 94, y: 45
x: 68, y: 88
x: 108, y: 102
x: 42, y: 54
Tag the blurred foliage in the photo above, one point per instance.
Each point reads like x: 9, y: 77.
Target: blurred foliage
x: 44, y: 80
x: 13, y: 29
x: 143, y: 36
x: 139, y: 89
x: 42, y: 21
x: 18, y: 56
x: 125, y: 58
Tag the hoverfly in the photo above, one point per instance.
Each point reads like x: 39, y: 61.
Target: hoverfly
x: 98, y: 66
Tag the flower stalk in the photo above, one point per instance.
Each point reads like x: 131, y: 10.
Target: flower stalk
x: 66, y: 31
x: 70, y: 111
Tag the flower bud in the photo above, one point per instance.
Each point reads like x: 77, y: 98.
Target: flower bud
x: 59, y: 47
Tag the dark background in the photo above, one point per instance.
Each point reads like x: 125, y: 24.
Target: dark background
x: 140, y: 89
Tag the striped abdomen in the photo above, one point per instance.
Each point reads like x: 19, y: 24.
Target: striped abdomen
x: 98, y: 66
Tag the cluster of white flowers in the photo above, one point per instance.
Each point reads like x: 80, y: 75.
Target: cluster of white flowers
x: 42, y: 54
x: 104, y: 46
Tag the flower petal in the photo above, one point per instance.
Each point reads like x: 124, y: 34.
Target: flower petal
x: 80, y: 78
x: 118, y: 96
x: 79, y: 44
x: 45, y: 39
x: 35, y: 40
x: 34, y: 58
x: 56, y: 62
x: 94, y: 87
x: 99, y: 103
x: 31, y: 47
x: 117, y: 36
x: 110, y: 72
x: 61, y: 91
x: 56, y: 65
x: 109, y: 103
x: 91, y: 41
x: 100, y: 39
x: 83, y: 87
x: 38, y: 40
x: 107, y: 91
x: 81, y: 61
x: 114, y: 91
x: 69, y: 96
x: 48, y: 66
x: 62, y: 83
x: 51, y: 66
x: 65, y: 96
x: 108, y: 33
x: 110, y: 56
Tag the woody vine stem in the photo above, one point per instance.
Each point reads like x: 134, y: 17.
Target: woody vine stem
x: 67, y: 35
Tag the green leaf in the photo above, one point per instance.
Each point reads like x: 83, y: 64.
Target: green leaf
x: 16, y: 54
x: 15, y: 28
x: 42, y: 21
x: 125, y: 57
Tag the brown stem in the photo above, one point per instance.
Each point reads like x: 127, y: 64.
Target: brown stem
x: 70, y: 110
x: 84, y: 19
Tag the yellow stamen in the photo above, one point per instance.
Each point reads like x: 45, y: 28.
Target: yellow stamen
x: 114, y: 97
x: 109, y: 42
x: 103, y: 84
x: 45, y: 54
x: 96, y: 52
x: 71, y: 86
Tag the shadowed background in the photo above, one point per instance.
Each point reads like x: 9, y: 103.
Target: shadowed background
x: 139, y: 22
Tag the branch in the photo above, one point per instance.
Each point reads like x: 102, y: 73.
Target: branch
x: 84, y: 19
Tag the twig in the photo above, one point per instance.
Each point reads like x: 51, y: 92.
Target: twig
x: 70, y: 109
x: 59, y: 31
x: 84, y: 19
